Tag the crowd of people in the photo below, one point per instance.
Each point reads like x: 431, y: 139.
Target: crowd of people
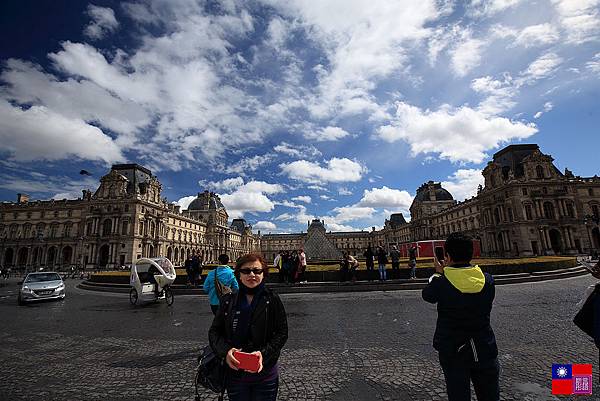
x: 291, y: 266
x: 250, y: 321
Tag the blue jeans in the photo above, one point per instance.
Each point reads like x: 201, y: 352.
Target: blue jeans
x: 382, y: 272
x: 413, y: 269
x: 263, y: 391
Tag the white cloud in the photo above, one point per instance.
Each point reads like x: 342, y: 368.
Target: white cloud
x: 264, y: 226
x: 385, y: 197
x: 42, y: 186
x: 535, y: 35
x: 184, y: 202
x: 351, y: 213
x: 303, y: 198
x: 240, y: 198
x: 327, y: 134
x: 41, y: 134
x: 335, y: 227
x: 547, y: 107
x: 300, y: 217
x: 580, y: 19
x: 457, y: 134
x: 362, y: 44
x: 543, y: 67
x: 488, y: 8
x: 103, y: 22
x: 594, y: 65
x: 337, y: 170
x: 344, y: 191
x: 463, y: 183
x: 247, y: 164
x: 467, y: 54
x: 226, y: 185
x: 303, y: 151
x: 499, y: 94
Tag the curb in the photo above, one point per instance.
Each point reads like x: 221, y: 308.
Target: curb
x: 359, y: 286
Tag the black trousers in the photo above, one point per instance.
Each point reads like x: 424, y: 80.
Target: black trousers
x: 460, y: 371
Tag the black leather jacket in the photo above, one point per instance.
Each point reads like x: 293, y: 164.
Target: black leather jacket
x: 268, y: 327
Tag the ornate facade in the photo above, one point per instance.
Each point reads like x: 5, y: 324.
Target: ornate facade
x: 123, y: 220
x: 527, y: 207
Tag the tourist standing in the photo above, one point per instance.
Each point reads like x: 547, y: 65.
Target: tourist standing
x: 395, y: 256
x: 382, y: 261
x: 225, y: 281
x: 294, y: 266
x: 302, y: 261
x: 463, y: 336
x: 369, y: 255
x: 412, y: 260
x: 252, y: 320
x: 188, y: 269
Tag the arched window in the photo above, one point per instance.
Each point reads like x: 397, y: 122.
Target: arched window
x: 539, y: 172
x: 141, y: 228
x: 570, y: 209
x: 124, y: 228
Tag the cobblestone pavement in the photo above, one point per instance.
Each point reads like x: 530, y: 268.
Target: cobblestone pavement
x: 359, y: 346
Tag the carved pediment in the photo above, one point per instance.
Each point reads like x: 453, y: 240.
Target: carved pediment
x: 112, y: 186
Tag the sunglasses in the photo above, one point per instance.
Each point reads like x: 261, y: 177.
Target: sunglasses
x: 255, y: 271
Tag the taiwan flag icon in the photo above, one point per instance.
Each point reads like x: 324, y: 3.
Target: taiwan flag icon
x: 570, y: 379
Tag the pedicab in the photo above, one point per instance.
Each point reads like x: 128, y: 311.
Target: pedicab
x: 142, y: 285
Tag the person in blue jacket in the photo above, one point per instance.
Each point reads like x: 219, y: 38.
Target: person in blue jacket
x: 463, y: 336
x: 225, y: 276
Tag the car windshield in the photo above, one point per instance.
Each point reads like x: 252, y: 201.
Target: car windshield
x: 36, y: 278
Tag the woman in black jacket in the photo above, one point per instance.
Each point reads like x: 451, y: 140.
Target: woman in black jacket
x: 252, y: 320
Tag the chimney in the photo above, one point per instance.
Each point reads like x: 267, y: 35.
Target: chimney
x: 22, y: 198
x: 372, y: 228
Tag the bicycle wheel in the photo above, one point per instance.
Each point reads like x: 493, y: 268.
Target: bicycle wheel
x: 169, y: 296
x: 133, y: 296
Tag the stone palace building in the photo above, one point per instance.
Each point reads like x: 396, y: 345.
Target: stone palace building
x: 123, y: 220
x: 526, y: 207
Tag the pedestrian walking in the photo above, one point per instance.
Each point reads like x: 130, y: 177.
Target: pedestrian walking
x: 252, y: 320
x: 196, y: 270
x: 219, y: 282
x: 369, y: 260
x: 294, y: 266
x: 382, y: 261
x: 463, y: 336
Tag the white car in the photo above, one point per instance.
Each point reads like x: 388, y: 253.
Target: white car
x: 42, y: 285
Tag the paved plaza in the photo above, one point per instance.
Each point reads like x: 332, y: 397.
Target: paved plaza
x: 357, y: 346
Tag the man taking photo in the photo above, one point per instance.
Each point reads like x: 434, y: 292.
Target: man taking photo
x: 463, y: 336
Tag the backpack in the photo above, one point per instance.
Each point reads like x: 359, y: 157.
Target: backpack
x: 221, y: 288
x: 210, y: 373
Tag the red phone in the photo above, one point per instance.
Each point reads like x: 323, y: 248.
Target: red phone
x: 247, y: 361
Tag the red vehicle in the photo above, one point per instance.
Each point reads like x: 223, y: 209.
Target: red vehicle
x: 426, y: 249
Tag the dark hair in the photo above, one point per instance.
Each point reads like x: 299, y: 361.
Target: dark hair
x: 223, y: 259
x: 460, y: 247
x: 248, y: 258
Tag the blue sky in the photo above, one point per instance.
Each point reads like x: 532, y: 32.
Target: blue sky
x: 291, y: 110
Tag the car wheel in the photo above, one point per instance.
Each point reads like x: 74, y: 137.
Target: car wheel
x: 133, y: 296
